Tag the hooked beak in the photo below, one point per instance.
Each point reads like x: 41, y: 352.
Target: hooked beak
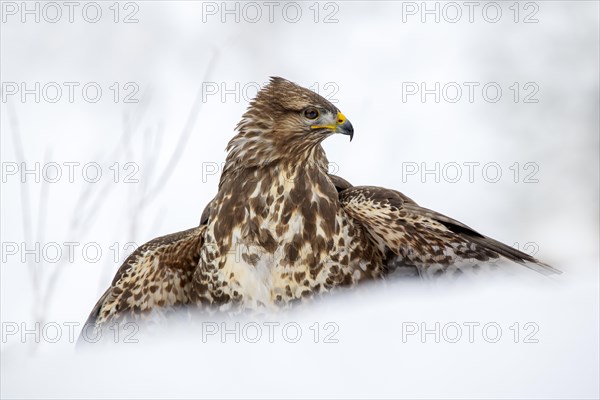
x: 344, y: 126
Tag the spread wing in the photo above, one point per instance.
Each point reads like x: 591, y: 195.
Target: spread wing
x: 411, y: 235
x: 158, y: 275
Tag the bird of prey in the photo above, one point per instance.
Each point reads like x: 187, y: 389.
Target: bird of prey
x: 281, y: 228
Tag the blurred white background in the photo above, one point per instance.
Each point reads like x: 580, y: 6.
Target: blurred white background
x: 192, y: 69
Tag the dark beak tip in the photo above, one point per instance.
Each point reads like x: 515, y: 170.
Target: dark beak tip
x: 348, y: 129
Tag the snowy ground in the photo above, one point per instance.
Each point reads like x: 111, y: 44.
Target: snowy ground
x: 193, y: 74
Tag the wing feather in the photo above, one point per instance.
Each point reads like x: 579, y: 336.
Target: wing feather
x: 423, y: 238
x: 158, y: 275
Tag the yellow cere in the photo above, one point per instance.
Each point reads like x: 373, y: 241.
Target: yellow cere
x: 341, y: 118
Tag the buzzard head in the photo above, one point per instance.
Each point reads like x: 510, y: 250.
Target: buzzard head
x: 285, y: 122
x: 291, y: 113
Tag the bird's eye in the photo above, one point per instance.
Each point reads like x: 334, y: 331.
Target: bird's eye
x: 311, y: 113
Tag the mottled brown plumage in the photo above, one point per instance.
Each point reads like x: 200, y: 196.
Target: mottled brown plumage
x: 281, y: 229
x: 157, y: 274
